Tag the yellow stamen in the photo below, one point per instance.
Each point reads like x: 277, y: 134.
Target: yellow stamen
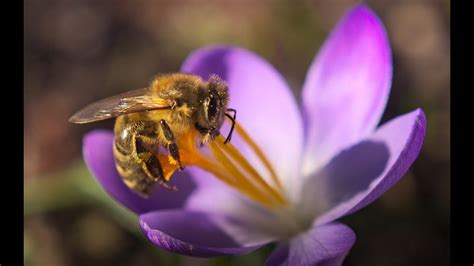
x: 234, y: 153
x: 239, y: 180
x: 231, y: 167
x: 241, y: 131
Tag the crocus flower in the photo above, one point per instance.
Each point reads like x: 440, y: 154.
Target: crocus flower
x: 289, y: 173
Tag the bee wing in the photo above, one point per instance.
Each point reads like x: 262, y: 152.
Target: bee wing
x: 133, y: 101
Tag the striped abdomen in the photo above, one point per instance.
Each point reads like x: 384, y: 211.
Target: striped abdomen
x: 135, y: 152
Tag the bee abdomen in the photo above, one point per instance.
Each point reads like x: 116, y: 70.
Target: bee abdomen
x: 135, y: 146
x: 136, y: 175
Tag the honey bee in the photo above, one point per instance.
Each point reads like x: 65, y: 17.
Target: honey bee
x: 156, y: 116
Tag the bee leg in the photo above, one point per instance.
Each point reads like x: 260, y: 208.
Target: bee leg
x: 172, y: 147
x: 147, y: 158
x: 168, y: 186
x: 150, y: 163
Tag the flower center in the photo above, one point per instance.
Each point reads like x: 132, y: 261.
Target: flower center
x: 228, y: 164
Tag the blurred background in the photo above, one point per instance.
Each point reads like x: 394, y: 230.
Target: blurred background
x: 79, y: 51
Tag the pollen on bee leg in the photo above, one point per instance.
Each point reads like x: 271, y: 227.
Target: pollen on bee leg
x: 172, y: 161
x: 168, y: 167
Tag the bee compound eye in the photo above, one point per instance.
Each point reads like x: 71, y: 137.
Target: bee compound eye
x: 212, y: 108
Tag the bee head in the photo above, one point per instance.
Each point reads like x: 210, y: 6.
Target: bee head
x: 214, y: 105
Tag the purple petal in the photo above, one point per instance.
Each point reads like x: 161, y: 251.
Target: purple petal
x: 322, y: 245
x: 362, y: 173
x: 346, y: 87
x: 265, y: 105
x: 191, y: 233
x: 98, y: 155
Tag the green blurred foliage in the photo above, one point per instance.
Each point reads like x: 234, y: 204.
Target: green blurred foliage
x: 80, y: 51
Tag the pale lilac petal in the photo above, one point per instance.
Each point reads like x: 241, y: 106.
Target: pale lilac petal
x: 265, y: 105
x: 213, y: 196
x: 191, y: 233
x: 360, y: 174
x: 322, y: 245
x: 346, y: 87
x: 98, y: 155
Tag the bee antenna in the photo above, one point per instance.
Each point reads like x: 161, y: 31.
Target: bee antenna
x: 232, y: 118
